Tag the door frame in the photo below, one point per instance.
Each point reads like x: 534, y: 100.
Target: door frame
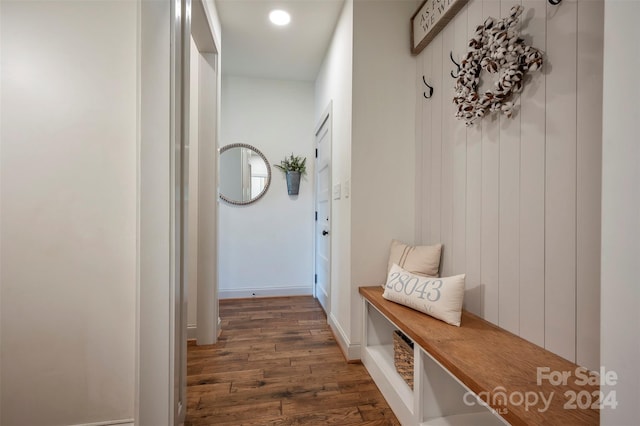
x: 325, y: 117
x: 207, y: 322
x: 155, y: 350
x: 180, y: 81
x: 162, y: 49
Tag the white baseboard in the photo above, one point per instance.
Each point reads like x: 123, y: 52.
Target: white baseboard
x: 351, y: 351
x: 265, y: 292
x: 192, y: 331
x: 121, y: 422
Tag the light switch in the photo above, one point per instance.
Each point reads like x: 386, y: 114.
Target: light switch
x: 347, y: 188
x: 336, y: 191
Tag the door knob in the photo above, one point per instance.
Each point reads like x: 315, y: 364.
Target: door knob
x: 325, y: 232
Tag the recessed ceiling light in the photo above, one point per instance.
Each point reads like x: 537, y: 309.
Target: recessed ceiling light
x: 279, y: 17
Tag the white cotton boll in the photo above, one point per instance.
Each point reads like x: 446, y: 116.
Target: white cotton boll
x: 488, y: 23
x: 516, y: 11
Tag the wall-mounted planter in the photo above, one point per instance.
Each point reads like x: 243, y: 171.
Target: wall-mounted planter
x: 293, y: 167
x: 293, y: 182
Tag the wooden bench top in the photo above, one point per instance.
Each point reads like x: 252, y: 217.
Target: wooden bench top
x: 490, y: 360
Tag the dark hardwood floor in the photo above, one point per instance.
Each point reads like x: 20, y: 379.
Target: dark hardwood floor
x: 277, y: 363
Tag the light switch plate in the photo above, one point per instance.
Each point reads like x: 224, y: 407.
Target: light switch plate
x: 336, y: 191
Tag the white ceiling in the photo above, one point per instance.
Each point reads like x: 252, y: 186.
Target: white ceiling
x: 252, y: 46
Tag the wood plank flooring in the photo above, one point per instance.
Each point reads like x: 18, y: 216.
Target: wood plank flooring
x: 277, y: 363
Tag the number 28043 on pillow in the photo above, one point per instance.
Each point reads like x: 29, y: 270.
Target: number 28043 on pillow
x: 440, y: 298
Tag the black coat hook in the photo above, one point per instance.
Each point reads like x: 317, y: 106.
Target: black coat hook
x: 555, y: 2
x: 457, y: 73
x: 429, y: 87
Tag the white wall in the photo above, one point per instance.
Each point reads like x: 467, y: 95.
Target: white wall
x: 232, y: 182
x: 334, y: 83
x: 516, y: 202
x: 383, y: 142
x: 266, y: 248
x: 369, y: 75
x: 68, y: 222
x: 620, y: 313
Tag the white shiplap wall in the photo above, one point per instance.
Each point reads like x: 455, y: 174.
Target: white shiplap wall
x: 516, y: 202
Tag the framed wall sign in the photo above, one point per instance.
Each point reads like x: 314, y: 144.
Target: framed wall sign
x: 429, y: 19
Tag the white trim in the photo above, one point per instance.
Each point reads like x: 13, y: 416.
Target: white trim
x: 201, y: 28
x: 154, y: 376
x: 324, y: 117
x: 266, y: 292
x: 207, y: 258
x: 125, y: 422
x: 136, y: 396
x: 350, y: 350
x: 204, y: 22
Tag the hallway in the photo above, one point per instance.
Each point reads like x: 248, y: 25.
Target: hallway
x: 277, y: 363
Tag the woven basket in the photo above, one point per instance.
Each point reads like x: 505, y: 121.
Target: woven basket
x: 403, y: 356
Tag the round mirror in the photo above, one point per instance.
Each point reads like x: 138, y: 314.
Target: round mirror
x: 245, y: 174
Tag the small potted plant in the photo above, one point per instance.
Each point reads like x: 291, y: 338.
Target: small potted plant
x: 294, y: 167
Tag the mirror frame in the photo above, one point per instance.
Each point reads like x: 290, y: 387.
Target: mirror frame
x: 266, y: 186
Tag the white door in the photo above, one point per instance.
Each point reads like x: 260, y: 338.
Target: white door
x: 322, y: 288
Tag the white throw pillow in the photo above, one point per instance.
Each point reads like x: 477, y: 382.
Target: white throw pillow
x: 439, y: 297
x: 419, y: 260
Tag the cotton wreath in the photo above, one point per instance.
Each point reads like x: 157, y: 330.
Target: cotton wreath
x: 496, y: 47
